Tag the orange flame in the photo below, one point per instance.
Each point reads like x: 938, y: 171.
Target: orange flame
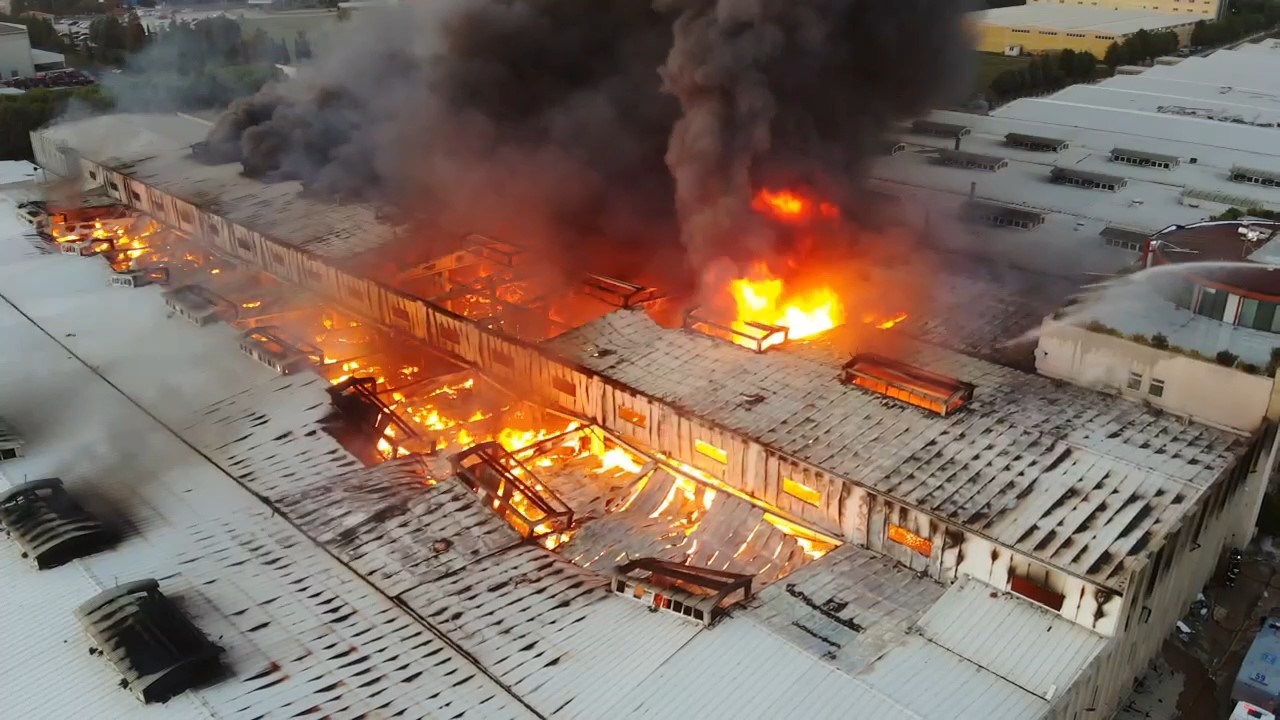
x: 767, y: 300
x: 791, y: 207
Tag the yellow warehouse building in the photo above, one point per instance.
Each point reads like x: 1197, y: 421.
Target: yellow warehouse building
x: 1041, y: 27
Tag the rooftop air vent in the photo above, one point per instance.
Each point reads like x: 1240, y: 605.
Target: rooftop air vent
x: 141, y: 277
x: 1254, y: 176
x: 49, y: 525
x: 10, y: 442
x: 754, y: 335
x: 618, y: 293
x: 940, y: 129
x: 1038, y: 143
x: 151, y: 643
x: 1087, y: 180
x: 200, y: 305
x: 512, y: 490
x: 266, y: 345
x: 1144, y: 159
x: 364, y: 417
x: 1002, y: 215
x: 972, y: 161
x: 912, y: 385
x: 700, y: 594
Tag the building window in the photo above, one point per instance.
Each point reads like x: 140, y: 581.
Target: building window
x: 244, y: 243
x: 801, y: 492
x: 1135, y: 381
x: 8, y: 453
x: 93, y: 175
x: 399, y: 313
x: 633, y: 417
x: 1157, y: 388
x: 448, y: 334
x: 1036, y: 592
x: 711, y: 451
x: 1213, y: 303
x: 502, y: 358
x: 564, y: 385
x: 908, y: 539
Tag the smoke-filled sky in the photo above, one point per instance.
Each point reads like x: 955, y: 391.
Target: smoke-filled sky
x: 627, y: 131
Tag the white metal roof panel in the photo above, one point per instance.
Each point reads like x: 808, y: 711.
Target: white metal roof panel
x: 1036, y: 454
x: 848, y: 607
x: 739, y: 670
x: 554, y: 633
x: 936, y: 683
x: 1029, y: 646
x: 301, y: 631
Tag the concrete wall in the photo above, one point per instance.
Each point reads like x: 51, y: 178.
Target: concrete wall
x: 1199, y: 9
x: 15, y: 53
x: 1198, y: 389
x: 995, y: 37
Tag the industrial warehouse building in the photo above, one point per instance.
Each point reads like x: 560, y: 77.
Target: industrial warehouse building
x: 1019, y: 546
x: 1044, y: 27
x: 1205, y: 9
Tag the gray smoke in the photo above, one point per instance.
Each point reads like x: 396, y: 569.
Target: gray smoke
x: 603, y: 131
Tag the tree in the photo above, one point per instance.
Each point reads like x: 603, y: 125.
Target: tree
x: 302, y: 47
x: 1035, y: 75
x: 1085, y: 66
x: 1067, y: 62
x: 135, y: 34
x: 282, y: 53
x: 1115, y: 55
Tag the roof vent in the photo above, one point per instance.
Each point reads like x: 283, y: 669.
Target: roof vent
x: 266, y: 345
x: 141, y: 277
x: 698, y: 593
x: 49, y: 525
x: 618, y: 293
x: 940, y: 129
x: 10, y: 442
x: 200, y: 305
x: 1087, y: 180
x: 1038, y: 143
x: 747, y: 333
x: 151, y: 643
x: 912, y: 385
x: 512, y: 490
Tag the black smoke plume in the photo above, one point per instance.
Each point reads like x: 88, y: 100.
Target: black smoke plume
x: 603, y: 131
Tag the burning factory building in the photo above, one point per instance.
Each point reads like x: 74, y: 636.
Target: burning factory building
x: 757, y: 464
x: 742, y: 466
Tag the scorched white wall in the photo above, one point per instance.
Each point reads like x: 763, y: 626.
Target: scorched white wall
x: 1203, y: 391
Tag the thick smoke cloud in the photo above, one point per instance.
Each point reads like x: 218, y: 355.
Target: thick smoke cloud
x: 603, y: 131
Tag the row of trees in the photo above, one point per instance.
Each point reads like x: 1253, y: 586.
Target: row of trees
x: 1044, y: 73
x: 1140, y: 47
x: 20, y: 114
x: 1247, y: 18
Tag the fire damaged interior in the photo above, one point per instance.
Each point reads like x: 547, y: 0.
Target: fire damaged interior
x: 772, y: 478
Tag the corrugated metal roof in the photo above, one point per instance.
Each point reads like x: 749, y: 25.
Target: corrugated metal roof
x: 848, y: 607
x: 1029, y: 646
x: 300, y: 630
x: 396, y: 526
x: 1083, y: 19
x: 277, y: 209
x: 554, y: 633
x: 739, y: 671
x: 1040, y: 459
x: 9, y: 438
x: 936, y: 683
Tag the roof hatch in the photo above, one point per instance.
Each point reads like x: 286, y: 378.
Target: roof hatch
x: 912, y: 385
x: 49, y: 525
